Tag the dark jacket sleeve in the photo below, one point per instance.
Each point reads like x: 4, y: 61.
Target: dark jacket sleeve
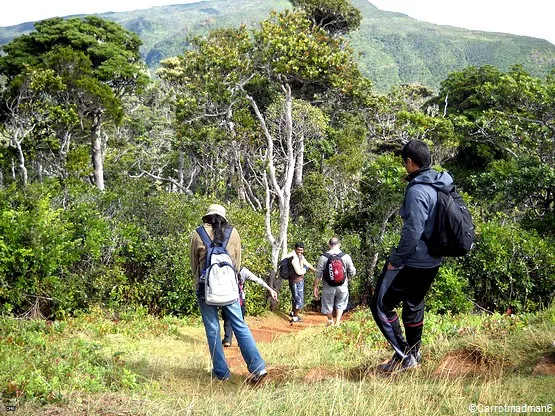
x: 416, y: 211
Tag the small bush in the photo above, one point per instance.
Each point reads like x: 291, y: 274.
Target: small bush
x: 449, y: 291
x: 510, y: 267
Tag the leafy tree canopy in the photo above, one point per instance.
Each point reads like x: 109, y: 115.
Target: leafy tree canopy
x: 337, y: 17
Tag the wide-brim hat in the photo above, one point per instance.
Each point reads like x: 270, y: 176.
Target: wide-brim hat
x: 215, y: 209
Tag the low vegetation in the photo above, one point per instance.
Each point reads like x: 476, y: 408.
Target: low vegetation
x: 132, y: 363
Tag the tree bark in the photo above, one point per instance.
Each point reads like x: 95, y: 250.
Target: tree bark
x: 299, y: 164
x: 270, y: 178
x: 96, y: 153
x: 21, y: 159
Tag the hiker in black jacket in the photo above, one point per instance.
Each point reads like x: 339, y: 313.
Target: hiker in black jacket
x: 410, y: 270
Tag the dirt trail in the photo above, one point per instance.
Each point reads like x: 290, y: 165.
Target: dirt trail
x: 266, y: 329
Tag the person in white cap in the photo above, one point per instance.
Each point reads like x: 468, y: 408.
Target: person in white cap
x: 217, y: 227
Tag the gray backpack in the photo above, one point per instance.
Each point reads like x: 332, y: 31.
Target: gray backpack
x: 219, y: 276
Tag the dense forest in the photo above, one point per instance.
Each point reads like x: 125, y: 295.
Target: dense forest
x: 390, y: 48
x: 105, y: 172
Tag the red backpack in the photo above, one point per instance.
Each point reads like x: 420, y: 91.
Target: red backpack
x: 334, y: 272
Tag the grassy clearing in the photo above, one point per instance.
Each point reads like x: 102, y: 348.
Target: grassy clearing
x: 133, y: 364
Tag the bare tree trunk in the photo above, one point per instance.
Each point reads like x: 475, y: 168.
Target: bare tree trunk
x: 21, y: 158
x: 181, y: 164
x: 299, y: 165
x: 96, y: 153
x: 271, y: 183
x: 39, y: 169
x: 13, y: 170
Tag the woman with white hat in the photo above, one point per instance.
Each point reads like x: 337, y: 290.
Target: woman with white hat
x: 216, y: 226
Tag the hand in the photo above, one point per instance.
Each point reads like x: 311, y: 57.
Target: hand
x: 273, y: 294
x: 390, y: 266
x: 316, y: 292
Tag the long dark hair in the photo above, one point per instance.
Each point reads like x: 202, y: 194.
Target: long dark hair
x: 219, y: 225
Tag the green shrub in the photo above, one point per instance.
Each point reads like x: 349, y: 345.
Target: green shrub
x: 510, y: 267
x: 37, y: 249
x: 449, y: 291
x: 38, y: 361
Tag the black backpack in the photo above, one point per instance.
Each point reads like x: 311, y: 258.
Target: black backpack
x: 285, y: 267
x: 453, y: 233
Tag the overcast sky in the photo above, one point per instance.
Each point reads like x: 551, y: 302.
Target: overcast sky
x: 534, y: 18
x: 520, y: 17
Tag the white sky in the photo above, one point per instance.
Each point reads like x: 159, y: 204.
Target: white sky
x: 14, y: 12
x: 534, y: 18
x: 520, y: 17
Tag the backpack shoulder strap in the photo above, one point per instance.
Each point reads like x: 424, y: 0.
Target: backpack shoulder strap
x: 208, y: 241
x: 227, y: 236
x: 204, y: 237
x: 329, y: 256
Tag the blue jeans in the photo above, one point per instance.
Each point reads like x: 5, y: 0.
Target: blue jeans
x: 297, y: 294
x: 228, y: 332
x: 246, y: 343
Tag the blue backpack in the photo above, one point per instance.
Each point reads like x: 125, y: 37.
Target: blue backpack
x: 219, y: 276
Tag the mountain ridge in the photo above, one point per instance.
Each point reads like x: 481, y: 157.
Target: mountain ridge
x: 391, y: 48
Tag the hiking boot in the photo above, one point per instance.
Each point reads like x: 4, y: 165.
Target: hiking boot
x: 226, y: 343
x: 418, y: 356
x: 397, y: 364
x: 258, y: 376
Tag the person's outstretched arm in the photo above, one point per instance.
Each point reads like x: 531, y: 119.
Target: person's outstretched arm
x: 248, y: 275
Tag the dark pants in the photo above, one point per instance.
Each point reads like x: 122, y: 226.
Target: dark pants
x: 228, y: 332
x: 408, y: 286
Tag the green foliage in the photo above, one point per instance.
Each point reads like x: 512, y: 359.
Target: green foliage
x: 312, y: 201
x: 48, y: 361
x: 36, y: 247
x: 522, y: 188
x: 381, y: 195
x: 336, y: 17
x: 510, y: 267
x: 449, y: 291
x: 391, y: 49
x: 96, y: 63
x: 304, y: 56
x: 64, y: 247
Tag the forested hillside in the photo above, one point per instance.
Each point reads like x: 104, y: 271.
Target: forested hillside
x: 391, y: 48
x: 105, y: 171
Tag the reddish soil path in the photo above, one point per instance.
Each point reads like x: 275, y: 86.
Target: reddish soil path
x: 266, y: 329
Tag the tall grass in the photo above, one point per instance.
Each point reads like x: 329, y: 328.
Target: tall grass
x: 317, y: 371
